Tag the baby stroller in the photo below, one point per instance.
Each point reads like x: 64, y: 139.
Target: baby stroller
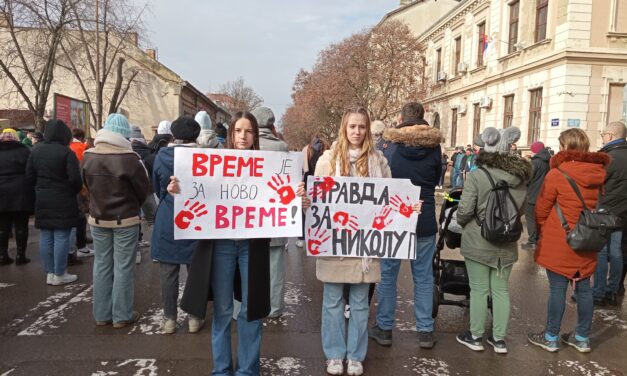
x: 450, y: 276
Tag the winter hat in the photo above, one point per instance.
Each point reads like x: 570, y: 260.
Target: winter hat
x: 117, y: 123
x: 264, y: 116
x: 499, y: 140
x: 136, y: 132
x: 164, y: 127
x: 377, y: 127
x: 7, y: 135
x: 9, y: 130
x: 184, y: 128
x: 536, y: 147
x: 203, y: 118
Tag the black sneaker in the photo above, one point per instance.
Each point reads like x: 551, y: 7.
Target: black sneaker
x: 426, y: 340
x: 499, y: 346
x: 599, y: 302
x: 380, y: 336
x: 539, y: 339
x: 581, y: 346
x: 466, y: 339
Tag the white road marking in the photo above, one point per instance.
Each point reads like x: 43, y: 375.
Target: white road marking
x: 145, y: 367
x: 4, y: 286
x: 8, y: 372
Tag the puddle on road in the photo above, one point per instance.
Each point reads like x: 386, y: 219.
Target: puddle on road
x: 141, y: 367
x: 286, y: 366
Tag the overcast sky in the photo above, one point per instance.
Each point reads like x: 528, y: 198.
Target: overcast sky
x: 209, y: 42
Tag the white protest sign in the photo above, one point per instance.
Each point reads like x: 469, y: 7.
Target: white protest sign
x: 235, y: 194
x: 361, y: 217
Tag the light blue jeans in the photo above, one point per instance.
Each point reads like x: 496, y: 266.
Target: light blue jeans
x: 226, y: 255
x: 277, y: 280
x: 334, y: 342
x: 114, y: 272
x: 422, y: 273
x: 613, y: 254
x: 54, y: 246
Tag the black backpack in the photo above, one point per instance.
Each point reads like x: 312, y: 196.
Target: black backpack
x: 502, y: 216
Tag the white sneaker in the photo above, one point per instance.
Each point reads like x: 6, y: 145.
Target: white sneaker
x: 84, y: 252
x: 49, y: 277
x: 195, y: 324
x: 300, y: 243
x: 335, y: 367
x: 354, y: 368
x: 138, y: 257
x: 347, y: 311
x: 169, y: 326
x: 66, y: 278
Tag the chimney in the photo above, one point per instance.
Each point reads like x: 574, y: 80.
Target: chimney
x: 152, y: 53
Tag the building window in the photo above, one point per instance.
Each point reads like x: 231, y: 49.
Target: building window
x: 513, y: 26
x: 481, y: 43
x: 458, y: 54
x: 617, y: 103
x: 542, y: 10
x: 476, y: 121
x: 438, y: 60
x: 453, y: 127
x: 508, y: 114
x: 535, y: 115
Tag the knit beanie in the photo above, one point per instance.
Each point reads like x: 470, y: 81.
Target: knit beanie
x: 499, y: 140
x: 117, y: 123
x: 9, y: 130
x: 203, y: 118
x: 185, y: 128
x: 264, y: 116
x: 136, y: 132
x: 164, y: 127
x: 536, y: 147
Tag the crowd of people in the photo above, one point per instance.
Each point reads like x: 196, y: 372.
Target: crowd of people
x: 119, y: 180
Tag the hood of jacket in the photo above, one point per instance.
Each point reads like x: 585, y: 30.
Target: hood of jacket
x: 56, y: 131
x: 543, y: 155
x: 10, y: 145
x: 518, y: 169
x: 204, y: 120
x: 207, y: 137
x: 586, y: 168
x: 415, y: 141
x: 107, y: 142
x: 267, y: 134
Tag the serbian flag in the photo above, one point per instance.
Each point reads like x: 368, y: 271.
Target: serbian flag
x: 487, y: 43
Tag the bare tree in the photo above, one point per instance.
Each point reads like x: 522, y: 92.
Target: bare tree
x: 96, y: 48
x: 31, y: 32
x: 244, y: 97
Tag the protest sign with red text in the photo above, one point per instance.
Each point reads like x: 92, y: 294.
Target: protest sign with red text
x: 235, y: 194
x: 361, y: 217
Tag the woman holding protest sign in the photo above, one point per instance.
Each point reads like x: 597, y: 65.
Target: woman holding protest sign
x: 353, y: 154
x: 223, y: 268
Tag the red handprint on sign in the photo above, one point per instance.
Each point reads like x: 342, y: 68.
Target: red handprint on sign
x: 314, y: 241
x: 184, y: 217
x: 321, y: 189
x: 346, y: 221
x: 286, y: 193
x: 401, y: 207
x: 379, y: 221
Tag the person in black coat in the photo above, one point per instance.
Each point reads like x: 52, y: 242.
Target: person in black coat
x: 413, y: 152
x: 18, y: 196
x: 540, y: 161
x: 53, y: 168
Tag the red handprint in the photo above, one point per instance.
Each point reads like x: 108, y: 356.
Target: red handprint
x: 314, y: 241
x: 321, y: 189
x: 379, y: 221
x: 285, y: 191
x: 346, y: 221
x: 184, y: 217
x: 401, y: 207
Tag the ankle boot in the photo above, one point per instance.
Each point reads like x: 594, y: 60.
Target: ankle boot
x: 4, y: 258
x: 21, y: 258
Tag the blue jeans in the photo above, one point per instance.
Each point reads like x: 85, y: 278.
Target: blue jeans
x: 611, y: 252
x: 226, y: 255
x: 334, y: 342
x: 422, y: 272
x: 54, y: 246
x: 558, y: 284
x: 114, y: 272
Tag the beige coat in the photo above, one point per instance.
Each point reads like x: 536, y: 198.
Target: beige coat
x: 347, y: 269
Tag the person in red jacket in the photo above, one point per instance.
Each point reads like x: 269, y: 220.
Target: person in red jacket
x: 564, y: 265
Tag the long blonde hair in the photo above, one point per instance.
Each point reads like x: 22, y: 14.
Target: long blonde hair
x: 341, y: 148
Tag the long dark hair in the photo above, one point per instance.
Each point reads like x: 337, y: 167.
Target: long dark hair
x: 231, y: 131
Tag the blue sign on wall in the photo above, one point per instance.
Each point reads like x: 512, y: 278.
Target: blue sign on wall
x: 574, y: 123
x: 555, y: 122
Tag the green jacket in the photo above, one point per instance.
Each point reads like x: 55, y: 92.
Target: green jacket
x: 516, y: 172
